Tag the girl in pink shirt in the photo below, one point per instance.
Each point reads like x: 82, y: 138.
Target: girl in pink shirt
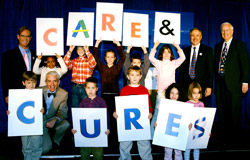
x: 165, y: 65
x: 194, y: 96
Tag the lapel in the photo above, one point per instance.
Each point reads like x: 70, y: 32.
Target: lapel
x: 230, y: 51
x: 200, y: 54
x: 52, y: 109
x: 20, y: 57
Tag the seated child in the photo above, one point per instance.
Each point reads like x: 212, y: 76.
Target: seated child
x: 50, y: 66
x: 92, y: 101
x: 134, y: 88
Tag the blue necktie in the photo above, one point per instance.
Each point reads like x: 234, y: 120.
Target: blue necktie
x: 223, y: 60
x: 192, y: 65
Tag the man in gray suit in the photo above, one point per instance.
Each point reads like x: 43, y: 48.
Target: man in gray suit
x: 56, y: 112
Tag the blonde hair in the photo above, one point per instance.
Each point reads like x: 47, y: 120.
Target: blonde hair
x: 191, y: 87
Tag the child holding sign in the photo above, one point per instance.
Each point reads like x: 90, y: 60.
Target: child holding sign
x: 134, y: 88
x: 82, y: 67
x: 174, y: 93
x: 166, y: 66
x: 110, y: 73
x: 92, y: 101
x: 137, y: 61
x: 50, y: 66
x: 32, y: 146
x: 194, y: 95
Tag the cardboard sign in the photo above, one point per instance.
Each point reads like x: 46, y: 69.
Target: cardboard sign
x: 167, y: 27
x: 109, y: 21
x: 132, y: 122
x: 172, y: 124
x: 80, y: 29
x: 135, y: 30
x: 91, y: 125
x: 49, y: 36
x: 25, y: 118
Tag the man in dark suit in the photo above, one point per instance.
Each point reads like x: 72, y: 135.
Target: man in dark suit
x: 12, y: 68
x: 13, y: 62
x: 231, y: 79
x: 56, y: 112
x: 203, y: 65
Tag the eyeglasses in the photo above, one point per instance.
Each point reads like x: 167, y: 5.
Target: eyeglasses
x: 23, y: 36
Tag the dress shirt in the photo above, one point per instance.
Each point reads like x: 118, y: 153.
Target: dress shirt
x: 27, y: 52
x: 49, y: 100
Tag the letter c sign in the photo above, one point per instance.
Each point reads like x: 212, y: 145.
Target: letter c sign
x: 20, y: 114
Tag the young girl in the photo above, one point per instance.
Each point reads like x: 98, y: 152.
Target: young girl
x: 110, y: 73
x: 174, y: 93
x: 194, y: 95
x: 165, y: 65
x: 50, y: 66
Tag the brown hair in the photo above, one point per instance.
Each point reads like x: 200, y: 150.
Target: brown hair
x: 191, y: 87
x: 23, y: 28
x: 167, y: 47
x: 29, y: 75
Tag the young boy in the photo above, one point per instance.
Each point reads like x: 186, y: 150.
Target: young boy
x: 92, y: 101
x: 134, y: 76
x: 82, y: 67
x: 137, y: 61
x: 31, y: 145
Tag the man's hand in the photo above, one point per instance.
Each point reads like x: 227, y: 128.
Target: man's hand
x: 208, y: 92
x: 51, y: 123
x: 244, y: 88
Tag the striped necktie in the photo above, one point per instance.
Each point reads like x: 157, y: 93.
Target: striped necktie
x: 192, y: 65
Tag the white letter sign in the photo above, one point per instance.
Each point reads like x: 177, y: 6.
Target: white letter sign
x: 167, y: 27
x: 49, y: 36
x: 25, y: 118
x: 135, y: 30
x: 109, y: 21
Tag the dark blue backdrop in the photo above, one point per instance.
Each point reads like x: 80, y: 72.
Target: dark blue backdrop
x: 208, y: 15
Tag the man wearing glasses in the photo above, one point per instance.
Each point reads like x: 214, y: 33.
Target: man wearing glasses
x: 14, y: 63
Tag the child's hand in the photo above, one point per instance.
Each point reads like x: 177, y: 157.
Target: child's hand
x: 116, y: 42
x: 98, y: 42
x: 86, y: 48
x: 107, y: 132
x: 115, y: 115
x: 156, y: 44
x: 150, y: 116
x: 57, y: 56
x: 144, y: 49
x: 190, y: 126
x: 71, y: 48
x: 7, y: 112
x: 42, y: 110
x: 129, y: 48
x: 155, y: 124
x: 73, y: 131
x: 177, y: 46
x: 40, y: 57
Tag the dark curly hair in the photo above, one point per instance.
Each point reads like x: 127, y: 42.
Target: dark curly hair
x: 175, y: 85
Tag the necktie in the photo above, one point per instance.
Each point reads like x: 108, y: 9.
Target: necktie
x: 223, y: 60
x: 26, y: 60
x: 192, y: 65
x: 49, y: 94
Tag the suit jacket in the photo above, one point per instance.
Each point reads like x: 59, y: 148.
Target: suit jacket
x: 203, y: 68
x: 236, y: 66
x: 58, y: 107
x: 12, y: 69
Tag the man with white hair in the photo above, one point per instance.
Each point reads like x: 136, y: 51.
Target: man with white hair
x: 56, y: 112
x: 231, y: 80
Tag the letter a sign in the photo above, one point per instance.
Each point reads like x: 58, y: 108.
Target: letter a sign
x: 109, y: 21
x: 49, y: 36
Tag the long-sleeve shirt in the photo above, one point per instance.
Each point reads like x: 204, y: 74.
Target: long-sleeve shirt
x: 97, y: 102
x: 199, y: 104
x: 82, y: 67
x: 110, y: 76
x: 166, y: 69
x: 44, y: 70
x: 140, y: 90
x: 144, y: 67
